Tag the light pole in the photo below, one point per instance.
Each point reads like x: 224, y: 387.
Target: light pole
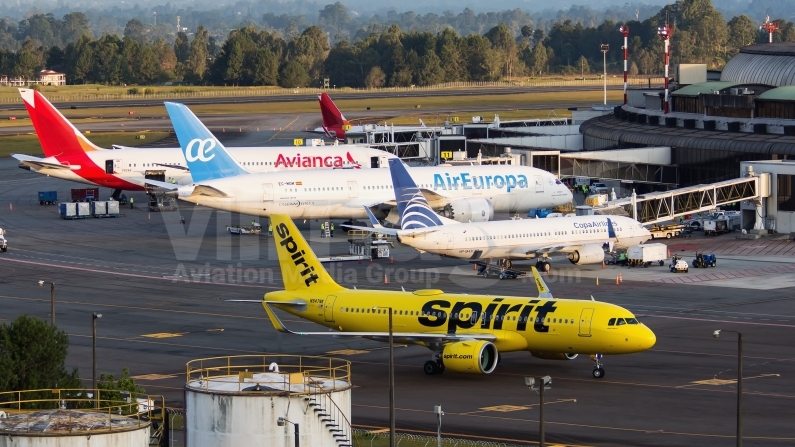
x: 716, y: 334
x: 437, y: 410
x: 52, y: 300
x: 391, y: 379
x: 94, y: 317
x: 281, y: 421
x: 604, y: 48
x: 624, y: 29
x: 665, y: 33
x: 545, y: 383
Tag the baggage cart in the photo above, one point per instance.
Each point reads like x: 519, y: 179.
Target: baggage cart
x: 48, y: 197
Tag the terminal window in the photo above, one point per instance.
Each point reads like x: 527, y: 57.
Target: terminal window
x: 786, y: 200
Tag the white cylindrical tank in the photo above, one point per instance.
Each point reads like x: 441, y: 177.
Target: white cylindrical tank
x: 72, y: 428
x: 258, y: 400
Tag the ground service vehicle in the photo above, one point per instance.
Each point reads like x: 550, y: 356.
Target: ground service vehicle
x: 241, y: 229
x: 678, y: 264
x: 716, y: 227
x: 599, y: 188
x: 645, y: 254
x: 704, y: 260
x: 85, y: 194
x: 666, y: 231
x: 48, y: 197
x: 3, y: 241
x: 465, y: 332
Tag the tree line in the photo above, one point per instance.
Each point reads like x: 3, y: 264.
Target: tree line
x: 389, y: 57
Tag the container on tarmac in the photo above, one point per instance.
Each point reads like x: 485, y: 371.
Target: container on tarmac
x: 83, y: 209
x: 85, y: 194
x: 68, y: 210
x: 99, y: 208
x: 48, y: 197
x: 646, y: 254
x: 113, y: 208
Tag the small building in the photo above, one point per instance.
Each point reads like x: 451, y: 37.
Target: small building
x: 50, y: 77
x: 44, y: 77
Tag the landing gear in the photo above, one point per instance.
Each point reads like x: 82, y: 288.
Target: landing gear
x: 116, y: 194
x: 433, y: 367
x: 542, y: 265
x: 598, y: 371
x: 505, y: 263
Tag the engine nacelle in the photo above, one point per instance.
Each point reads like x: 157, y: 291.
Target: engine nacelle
x: 554, y: 355
x: 470, y: 210
x: 588, y: 254
x: 472, y: 357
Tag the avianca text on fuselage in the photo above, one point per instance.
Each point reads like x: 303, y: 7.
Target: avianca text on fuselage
x: 305, y: 161
x: 436, y: 313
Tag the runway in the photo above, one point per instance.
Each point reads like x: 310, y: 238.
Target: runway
x: 161, y: 285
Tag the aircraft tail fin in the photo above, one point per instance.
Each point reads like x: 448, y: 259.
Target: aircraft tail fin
x: 301, y: 269
x: 543, y: 289
x: 334, y: 122
x: 206, y: 157
x: 415, y: 212
x: 422, y: 123
x: 56, y: 134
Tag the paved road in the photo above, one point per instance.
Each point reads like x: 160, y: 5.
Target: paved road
x: 312, y: 97
x: 162, y: 299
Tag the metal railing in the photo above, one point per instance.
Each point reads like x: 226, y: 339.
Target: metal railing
x: 332, y: 417
x: 227, y: 92
x: 122, y: 414
x: 292, y: 374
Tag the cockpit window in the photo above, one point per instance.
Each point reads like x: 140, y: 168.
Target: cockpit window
x: 612, y: 322
x: 632, y: 321
x: 557, y: 182
x: 620, y: 322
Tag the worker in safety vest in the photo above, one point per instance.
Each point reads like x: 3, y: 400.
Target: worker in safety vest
x: 132, y: 203
x: 332, y: 229
x: 322, y: 229
x: 270, y: 229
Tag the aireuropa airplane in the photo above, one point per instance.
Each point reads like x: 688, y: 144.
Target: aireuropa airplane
x: 465, y: 332
x: 336, y: 126
x: 70, y: 156
x: 467, y: 193
x: 581, y: 237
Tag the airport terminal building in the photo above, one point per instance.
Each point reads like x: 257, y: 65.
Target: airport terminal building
x: 713, y: 126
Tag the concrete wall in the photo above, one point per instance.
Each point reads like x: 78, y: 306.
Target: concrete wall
x: 227, y: 420
x: 133, y: 438
x: 646, y: 155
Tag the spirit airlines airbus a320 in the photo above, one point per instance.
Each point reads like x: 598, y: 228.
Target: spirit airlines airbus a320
x: 70, y: 156
x: 581, y: 237
x: 468, y: 193
x: 465, y: 332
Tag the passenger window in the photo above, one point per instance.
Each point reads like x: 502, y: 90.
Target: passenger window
x: 632, y: 321
x: 612, y: 322
x: 620, y: 322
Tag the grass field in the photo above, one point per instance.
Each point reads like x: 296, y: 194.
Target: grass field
x: 29, y: 144
x: 453, y: 104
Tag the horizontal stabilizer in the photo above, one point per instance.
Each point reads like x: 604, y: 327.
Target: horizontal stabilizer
x: 209, y: 191
x: 40, y: 163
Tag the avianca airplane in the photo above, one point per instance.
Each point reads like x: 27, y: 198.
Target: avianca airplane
x: 336, y: 126
x: 465, y: 332
x: 70, y: 156
x: 582, y: 237
x: 467, y: 192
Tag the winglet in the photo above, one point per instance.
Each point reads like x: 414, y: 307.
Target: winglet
x: 371, y: 216
x: 275, y: 321
x: 206, y: 157
x: 543, y: 290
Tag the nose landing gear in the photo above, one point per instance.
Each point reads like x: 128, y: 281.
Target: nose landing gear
x: 598, y: 371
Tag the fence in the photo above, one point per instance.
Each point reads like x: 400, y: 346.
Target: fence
x: 231, y: 92
x: 367, y: 438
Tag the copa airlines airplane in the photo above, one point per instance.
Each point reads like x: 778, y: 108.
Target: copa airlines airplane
x: 70, y: 156
x: 465, y: 332
x: 336, y: 126
x: 466, y: 192
x: 582, y: 237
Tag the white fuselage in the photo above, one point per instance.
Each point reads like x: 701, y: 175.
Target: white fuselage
x: 343, y: 193
x: 516, y: 239
x: 131, y: 164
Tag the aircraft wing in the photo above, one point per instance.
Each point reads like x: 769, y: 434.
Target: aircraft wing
x: 528, y: 250
x: 381, y: 336
x: 209, y: 191
x: 40, y: 163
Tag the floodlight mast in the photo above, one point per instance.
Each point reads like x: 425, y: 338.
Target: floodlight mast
x: 770, y: 27
x: 665, y: 32
x: 625, y: 31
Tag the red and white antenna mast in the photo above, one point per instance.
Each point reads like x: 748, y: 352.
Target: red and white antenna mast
x: 625, y: 31
x: 770, y: 27
x: 665, y: 32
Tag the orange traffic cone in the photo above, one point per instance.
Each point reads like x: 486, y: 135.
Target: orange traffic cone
x: 616, y: 280
x: 668, y: 253
x: 603, y: 264
x: 620, y: 277
x: 386, y: 280
x: 474, y: 266
x: 597, y: 281
x: 391, y: 260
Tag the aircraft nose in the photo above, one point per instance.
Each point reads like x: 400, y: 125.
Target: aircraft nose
x: 648, y: 339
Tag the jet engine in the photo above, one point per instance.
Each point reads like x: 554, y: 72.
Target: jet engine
x: 588, y: 254
x: 472, y: 357
x: 470, y: 210
x: 554, y: 355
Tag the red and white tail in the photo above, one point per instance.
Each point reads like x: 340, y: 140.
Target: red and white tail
x: 334, y: 123
x: 56, y: 134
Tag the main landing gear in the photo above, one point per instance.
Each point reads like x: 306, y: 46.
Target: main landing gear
x: 598, y: 371
x: 434, y: 366
x: 542, y: 265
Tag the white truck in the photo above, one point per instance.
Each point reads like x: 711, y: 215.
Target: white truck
x: 240, y: 229
x: 646, y: 254
x: 3, y: 241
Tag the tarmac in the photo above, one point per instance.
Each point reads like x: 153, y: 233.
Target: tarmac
x: 161, y: 288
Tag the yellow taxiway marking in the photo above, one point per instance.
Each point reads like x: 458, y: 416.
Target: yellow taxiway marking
x: 164, y: 335
x: 716, y: 381
x: 348, y: 352
x: 154, y: 376
x: 509, y: 408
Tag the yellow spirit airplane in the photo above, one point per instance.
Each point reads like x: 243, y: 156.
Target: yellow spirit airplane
x: 466, y: 333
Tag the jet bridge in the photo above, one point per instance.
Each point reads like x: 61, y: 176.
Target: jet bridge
x: 663, y: 206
